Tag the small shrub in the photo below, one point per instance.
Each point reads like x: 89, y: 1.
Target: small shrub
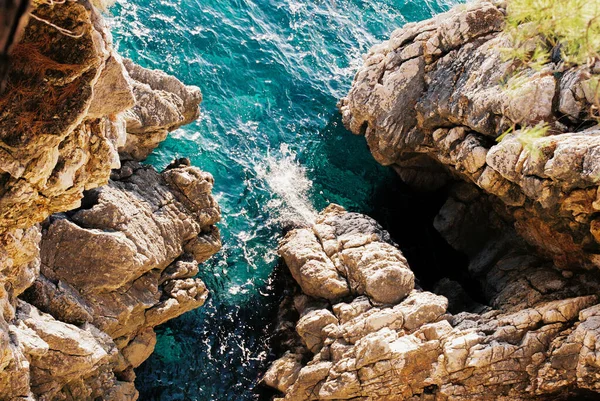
x: 543, y: 29
x: 528, y: 135
x: 562, y: 31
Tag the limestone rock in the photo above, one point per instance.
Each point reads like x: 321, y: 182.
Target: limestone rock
x: 284, y: 372
x: 110, y: 272
x: 346, y: 253
x: 65, y: 115
x: 131, y: 275
x: 50, y: 151
x: 534, y: 344
x: 81, y: 292
x: 163, y: 104
x: 433, y: 98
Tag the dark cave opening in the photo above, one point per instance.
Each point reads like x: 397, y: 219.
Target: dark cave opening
x: 408, y: 215
x: 580, y: 395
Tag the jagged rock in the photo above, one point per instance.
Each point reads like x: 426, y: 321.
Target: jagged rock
x: 115, y: 268
x: 311, y: 268
x: 346, y: 253
x: 432, y: 100
x: 117, y: 262
x: 50, y: 151
x: 283, y: 372
x: 47, y: 356
x: 124, y: 260
x: 66, y: 114
x: 163, y: 104
x: 535, y: 344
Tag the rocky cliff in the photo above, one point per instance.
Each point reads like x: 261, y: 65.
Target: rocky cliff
x: 370, y: 334
x: 95, y: 249
x: 433, y: 99
x: 432, y: 102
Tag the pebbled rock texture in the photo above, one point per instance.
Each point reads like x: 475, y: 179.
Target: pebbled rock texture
x: 346, y: 253
x: 433, y: 99
x: 81, y: 290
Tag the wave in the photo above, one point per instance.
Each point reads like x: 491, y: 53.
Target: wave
x: 289, y: 182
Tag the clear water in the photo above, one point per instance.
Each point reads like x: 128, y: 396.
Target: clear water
x: 271, y: 73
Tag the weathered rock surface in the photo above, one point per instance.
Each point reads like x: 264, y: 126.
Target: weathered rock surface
x: 163, y: 104
x: 432, y: 100
x: 124, y: 263
x: 80, y: 292
x: 346, y: 253
x: 536, y: 343
x: 66, y: 114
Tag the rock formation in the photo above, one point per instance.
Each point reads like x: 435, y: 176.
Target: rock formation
x: 537, y: 342
x: 433, y: 99
x: 91, y: 261
x: 432, y: 102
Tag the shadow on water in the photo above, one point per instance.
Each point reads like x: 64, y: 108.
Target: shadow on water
x: 234, y: 362
x: 406, y: 213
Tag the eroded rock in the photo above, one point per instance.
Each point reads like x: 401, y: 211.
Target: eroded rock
x: 163, y: 104
x: 432, y: 100
x: 533, y: 344
x: 346, y: 253
x: 123, y: 258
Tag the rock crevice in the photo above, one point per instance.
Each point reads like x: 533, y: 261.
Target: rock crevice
x: 435, y: 116
x: 534, y: 343
x: 432, y: 102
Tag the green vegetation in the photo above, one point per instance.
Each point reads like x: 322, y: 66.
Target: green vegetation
x: 540, y: 27
x: 550, y: 30
x: 528, y: 135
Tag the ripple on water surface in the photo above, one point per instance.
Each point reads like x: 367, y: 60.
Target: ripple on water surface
x: 271, y: 73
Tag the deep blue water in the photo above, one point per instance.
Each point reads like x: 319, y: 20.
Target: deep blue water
x: 271, y: 73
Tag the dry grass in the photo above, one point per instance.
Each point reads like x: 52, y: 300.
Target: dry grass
x: 551, y: 35
x: 30, y: 97
x: 543, y: 29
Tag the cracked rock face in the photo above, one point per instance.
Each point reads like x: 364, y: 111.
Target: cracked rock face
x: 536, y: 342
x: 65, y: 115
x: 346, y: 253
x: 110, y: 272
x: 432, y: 100
x: 81, y: 291
x: 163, y: 104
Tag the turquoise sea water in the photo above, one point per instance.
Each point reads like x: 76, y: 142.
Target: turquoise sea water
x: 271, y: 73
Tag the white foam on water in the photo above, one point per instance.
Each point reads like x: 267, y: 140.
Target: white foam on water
x: 289, y: 182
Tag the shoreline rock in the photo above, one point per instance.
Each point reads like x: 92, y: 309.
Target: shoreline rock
x: 95, y: 249
x: 432, y: 100
x: 533, y: 344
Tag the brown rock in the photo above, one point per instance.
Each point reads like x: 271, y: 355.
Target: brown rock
x: 443, y: 121
x: 122, y: 263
